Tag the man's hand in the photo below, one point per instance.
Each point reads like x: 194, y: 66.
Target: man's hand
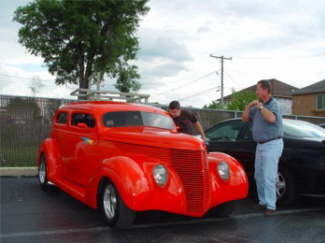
x: 245, y: 116
x: 254, y: 102
x: 259, y: 106
x: 199, y: 128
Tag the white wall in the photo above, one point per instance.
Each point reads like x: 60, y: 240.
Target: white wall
x: 286, y: 105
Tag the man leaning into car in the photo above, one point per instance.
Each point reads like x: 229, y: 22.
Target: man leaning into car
x: 183, y: 119
x: 266, y: 119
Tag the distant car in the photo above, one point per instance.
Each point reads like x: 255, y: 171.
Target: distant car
x: 322, y: 125
x: 125, y: 158
x: 302, y: 165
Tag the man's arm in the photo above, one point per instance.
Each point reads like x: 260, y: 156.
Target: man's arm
x: 199, y: 128
x: 245, y: 116
x: 267, y: 114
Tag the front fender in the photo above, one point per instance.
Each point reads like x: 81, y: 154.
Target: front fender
x: 125, y: 174
x: 234, y: 188
x: 136, y: 186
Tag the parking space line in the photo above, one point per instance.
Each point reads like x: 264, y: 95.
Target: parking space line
x: 54, y: 232
x: 194, y: 221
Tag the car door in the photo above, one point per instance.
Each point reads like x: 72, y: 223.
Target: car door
x: 245, y: 150
x: 80, y: 154
x: 223, y: 137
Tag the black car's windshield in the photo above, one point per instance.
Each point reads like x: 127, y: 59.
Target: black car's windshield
x: 137, y: 118
x: 302, y: 129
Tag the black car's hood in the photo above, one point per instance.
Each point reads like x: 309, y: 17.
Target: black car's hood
x: 320, y: 140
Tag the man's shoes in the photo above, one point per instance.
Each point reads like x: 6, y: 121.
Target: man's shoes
x: 269, y: 212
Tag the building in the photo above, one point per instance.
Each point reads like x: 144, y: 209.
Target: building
x: 281, y: 91
x: 310, y: 101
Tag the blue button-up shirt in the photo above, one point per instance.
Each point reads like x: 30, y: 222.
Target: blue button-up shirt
x: 263, y: 130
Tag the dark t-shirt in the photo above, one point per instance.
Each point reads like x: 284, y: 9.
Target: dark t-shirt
x: 184, y: 121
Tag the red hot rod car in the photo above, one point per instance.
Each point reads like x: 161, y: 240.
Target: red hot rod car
x: 124, y: 158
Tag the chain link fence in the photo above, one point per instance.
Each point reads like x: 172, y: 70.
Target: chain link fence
x: 26, y: 121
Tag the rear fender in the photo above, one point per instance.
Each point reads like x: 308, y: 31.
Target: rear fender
x: 50, y: 150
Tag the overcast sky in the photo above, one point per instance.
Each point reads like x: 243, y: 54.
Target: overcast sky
x: 266, y: 39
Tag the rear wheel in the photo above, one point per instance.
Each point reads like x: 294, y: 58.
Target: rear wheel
x: 42, y: 174
x: 285, y: 187
x: 116, y: 213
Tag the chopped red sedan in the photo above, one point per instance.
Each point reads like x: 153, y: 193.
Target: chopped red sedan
x: 124, y: 158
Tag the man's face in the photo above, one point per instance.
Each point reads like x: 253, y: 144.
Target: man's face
x: 260, y: 92
x: 174, y: 112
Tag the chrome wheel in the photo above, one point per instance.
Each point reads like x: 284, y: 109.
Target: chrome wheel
x: 110, y: 201
x: 281, y: 186
x: 42, y: 172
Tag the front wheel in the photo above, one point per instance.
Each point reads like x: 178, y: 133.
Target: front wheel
x: 42, y: 174
x: 116, y: 213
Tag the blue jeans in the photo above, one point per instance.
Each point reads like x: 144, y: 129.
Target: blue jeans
x: 266, y: 171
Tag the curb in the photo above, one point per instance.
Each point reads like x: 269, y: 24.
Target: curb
x: 18, y: 171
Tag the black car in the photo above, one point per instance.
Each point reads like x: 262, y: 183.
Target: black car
x: 301, y: 167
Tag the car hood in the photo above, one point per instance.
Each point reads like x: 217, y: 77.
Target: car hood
x: 154, y: 137
x: 320, y: 140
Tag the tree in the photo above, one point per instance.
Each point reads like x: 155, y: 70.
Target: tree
x: 127, y: 80
x: 78, y: 39
x: 239, y: 100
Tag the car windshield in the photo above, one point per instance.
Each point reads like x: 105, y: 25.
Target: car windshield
x: 137, y: 118
x: 302, y: 129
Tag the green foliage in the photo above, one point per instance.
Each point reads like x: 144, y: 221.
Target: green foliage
x: 127, y: 80
x: 241, y: 99
x: 78, y: 39
x: 215, y: 105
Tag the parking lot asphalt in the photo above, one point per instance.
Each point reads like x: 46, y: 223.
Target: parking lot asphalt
x: 30, y: 215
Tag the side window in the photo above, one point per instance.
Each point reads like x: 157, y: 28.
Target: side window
x: 247, y: 136
x: 321, y: 102
x: 62, y: 118
x: 85, y: 118
x: 226, y: 132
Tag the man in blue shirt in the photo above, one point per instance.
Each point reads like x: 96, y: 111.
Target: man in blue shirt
x: 267, y: 127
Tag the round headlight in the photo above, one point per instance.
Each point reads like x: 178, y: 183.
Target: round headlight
x: 223, y: 170
x: 160, y: 175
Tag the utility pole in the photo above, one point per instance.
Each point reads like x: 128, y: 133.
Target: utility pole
x: 222, y: 58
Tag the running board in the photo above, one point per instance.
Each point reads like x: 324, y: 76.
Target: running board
x: 72, y: 189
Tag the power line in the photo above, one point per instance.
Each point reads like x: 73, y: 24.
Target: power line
x: 199, y: 93
x: 285, y: 57
x: 233, y: 79
x: 187, y: 83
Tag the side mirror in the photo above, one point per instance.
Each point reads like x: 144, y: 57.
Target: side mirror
x: 176, y: 130
x: 82, y: 125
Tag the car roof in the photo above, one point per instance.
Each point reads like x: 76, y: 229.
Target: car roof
x: 109, y: 106
x: 239, y: 119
